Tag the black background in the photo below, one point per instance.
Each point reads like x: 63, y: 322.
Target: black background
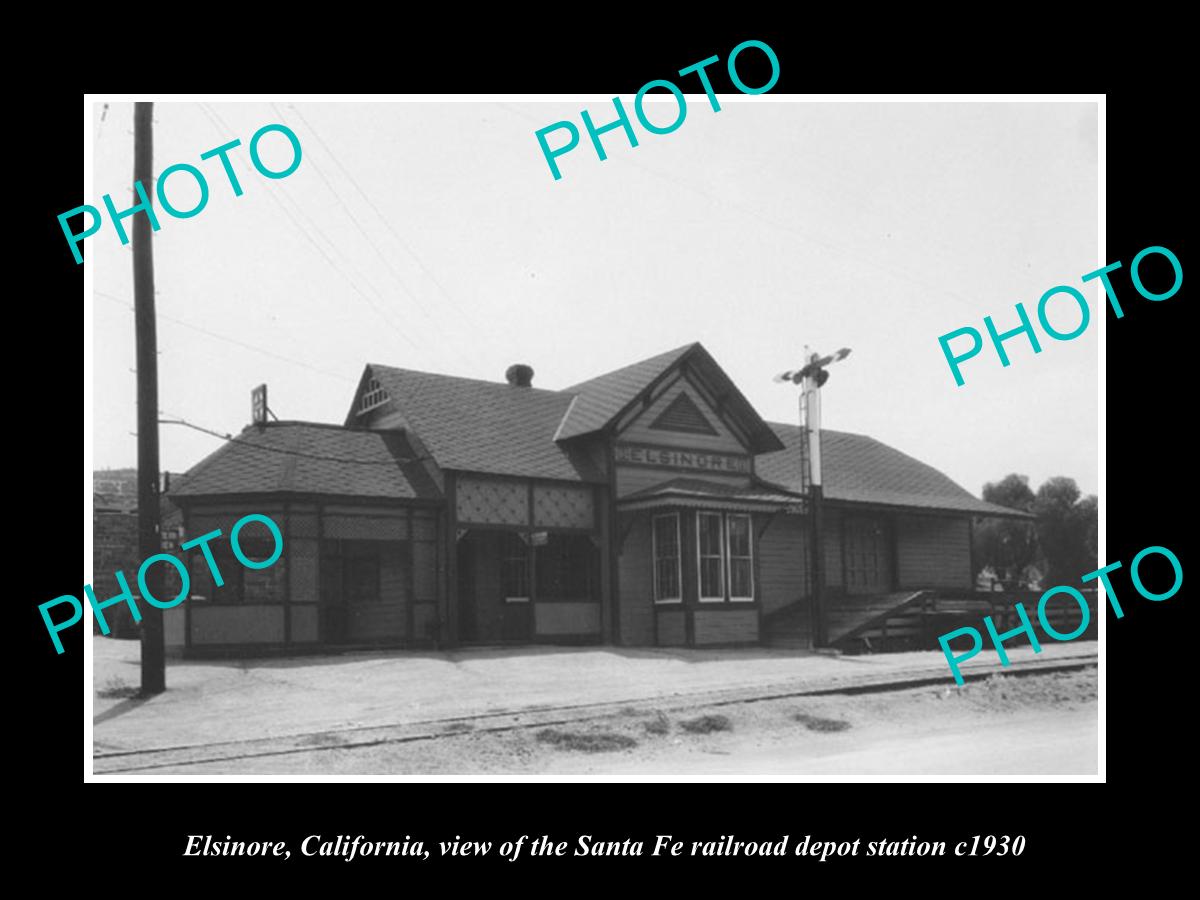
x: 125, y: 830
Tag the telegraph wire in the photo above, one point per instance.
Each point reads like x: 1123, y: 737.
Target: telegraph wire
x: 219, y: 123
x: 215, y: 117
x: 234, y: 341
x: 386, y: 223
x: 336, y: 249
x: 357, y: 224
x: 337, y: 195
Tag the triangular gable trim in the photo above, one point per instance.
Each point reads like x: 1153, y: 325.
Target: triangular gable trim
x: 759, y: 438
x: 683, y: 415
x: 368, y: 396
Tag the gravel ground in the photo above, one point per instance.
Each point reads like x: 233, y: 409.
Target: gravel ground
x: 231, y: 700
x: 1032, y: 724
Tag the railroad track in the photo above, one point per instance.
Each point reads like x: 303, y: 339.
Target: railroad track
x: 116, y: 761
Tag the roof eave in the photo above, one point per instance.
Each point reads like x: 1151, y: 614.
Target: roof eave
x: 313, y: 496
x: 934, y: 510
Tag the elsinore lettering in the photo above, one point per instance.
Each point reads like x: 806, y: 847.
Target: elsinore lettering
x: 144, y: 201
x: 126, y: 596
x: 1085, y: 618
x: 1067, y: 295
x: 622, y: 120
x: 648, y: 455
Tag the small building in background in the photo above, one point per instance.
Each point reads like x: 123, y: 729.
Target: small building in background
x: 115, y: 542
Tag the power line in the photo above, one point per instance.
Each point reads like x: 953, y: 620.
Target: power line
x: 219, y: 123
x: 337, y: 459
x: 215, y: 117
x: 353, y: 218
x: 234, y: 341
x: 337, y: 195
x: 386, y: 223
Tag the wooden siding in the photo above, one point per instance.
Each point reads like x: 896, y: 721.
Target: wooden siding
x: 831, y: 537
x: 225, y: 516
x: 304, y: 623
x: 258, y: 624
x: 726, y: 626
x: 292, y: 585
x: 672, y: 627
x: 424, y: 554
x: 373, y: 527
x: 636, y: 590
x: 385, y: 618
x: 782, y: 562
x: 425, y: 621
x: 302, y: 556
x: 424, y: 525
x: 566, y: 618
x: 933, y: 552
x: 174, y: 627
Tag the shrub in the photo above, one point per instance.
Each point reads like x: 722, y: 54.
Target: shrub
x: 816, y: 723
x: 706, y: 724
x: 595, y: 742
x: 659, y: 725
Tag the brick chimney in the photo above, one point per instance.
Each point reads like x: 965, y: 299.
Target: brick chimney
x: 519, y: 375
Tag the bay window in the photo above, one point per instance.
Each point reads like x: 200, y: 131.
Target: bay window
x: 724, y: 557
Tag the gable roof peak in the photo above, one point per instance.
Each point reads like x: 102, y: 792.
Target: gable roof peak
x: 602, y: 400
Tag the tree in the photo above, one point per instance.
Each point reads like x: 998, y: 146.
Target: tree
x: 1008, y: 546
x: 1067, y: 528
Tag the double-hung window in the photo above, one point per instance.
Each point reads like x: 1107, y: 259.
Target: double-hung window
x: 710, y: 548
x: 741, y: 560
x: 668, y: 570
x: 724, y: 557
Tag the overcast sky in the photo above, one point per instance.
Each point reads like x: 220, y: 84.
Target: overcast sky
x: 432, y: 236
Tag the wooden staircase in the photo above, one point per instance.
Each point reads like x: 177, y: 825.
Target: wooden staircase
x: 915, y: 619
x: 851, y: 617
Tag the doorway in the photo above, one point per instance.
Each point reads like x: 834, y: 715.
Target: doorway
x: 363, y: 593
x: 495, y: 592
x: 867, y: 555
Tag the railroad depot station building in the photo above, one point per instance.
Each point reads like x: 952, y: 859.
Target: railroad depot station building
x: 648, y: 506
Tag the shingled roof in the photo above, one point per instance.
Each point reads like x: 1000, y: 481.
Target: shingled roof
x: 309, y: 458
x: 598, y: 399
x: 496, y: 428
x: 486, y: 426
x: 860, y: 469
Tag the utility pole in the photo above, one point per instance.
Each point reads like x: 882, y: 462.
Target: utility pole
x: 811, y: 376
x: 810, y: 403
x: 154, y: 676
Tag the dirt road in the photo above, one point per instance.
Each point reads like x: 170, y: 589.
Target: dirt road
x: 1033, y: 724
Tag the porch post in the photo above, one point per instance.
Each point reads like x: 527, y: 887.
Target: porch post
x: 450, y: 613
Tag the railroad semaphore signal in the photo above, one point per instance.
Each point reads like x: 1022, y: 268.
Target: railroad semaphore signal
x: 811, y: 376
